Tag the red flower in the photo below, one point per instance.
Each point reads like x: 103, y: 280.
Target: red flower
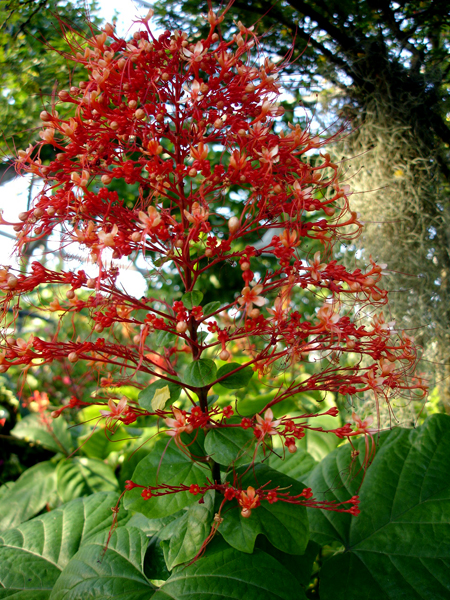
x: 146, y: 494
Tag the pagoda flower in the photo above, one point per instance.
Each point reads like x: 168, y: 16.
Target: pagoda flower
x: 387, y: 367
x: 150, y: 220
x: 328, y: 317
x: 269, y: 156
x: 194, y: 55
x: 250, y: 296
x: 179, y: 424
x: 289, y: 239
x: 197, y: 215
x: 316, y: 267
x: 115, y: 412
x: 363, y: 426
x: 372, y: 382
x: 107, y: 239
x: 247, y: 501
x: 279, y: 309
x: 86, y: 235
x: 22, y: 346
x: 267, y: 425
x: 380, y: 327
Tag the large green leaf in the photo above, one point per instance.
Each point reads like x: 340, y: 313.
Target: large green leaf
x: 285, y: 525
x: 165, y: 464
x: 33, y: 555
x: 296, y: 465
x: 53, y: 436
x: 183, y: 537
x: 200, y: 373
x: 228, y: 574
x: 28, y: 495
x: 102, y: 443
x: 83, y: 476
x: 399, y: 546
x: 227, y: 445
x: 301, y: 566
x: 236, y: 380
x: 114, y: 574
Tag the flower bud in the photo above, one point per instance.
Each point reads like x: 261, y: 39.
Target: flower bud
x: 139, y: 114
x: 45, y: 116
x: 12, y: 282
x: 106, y: 179
x: 233, y: 224
x: 70, y: 294
x: 73, y: 357
x: 224, y: 355
x: 181, y: 327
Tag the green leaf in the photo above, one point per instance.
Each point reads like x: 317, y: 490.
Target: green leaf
x: 33, y: 555
x: 211, y: 307
x: 164, y: 464
x: 399, y: 546
x: 77, y: 477
x: 229, y: 445
x: 237, y: 380
x: 183, y: 538
x: 296, y: 465
x: 319, y: 444
x: 200, y: 373
x: 29, y: 494
x: 228, y: 574
x: 301, y: 567
x: 284, y: 525
x: 31, y: 428
x: 191, y: 299
x: 117, y: 573
x: 147, y: 395
x: 101, y: 443
x: 165, y: 339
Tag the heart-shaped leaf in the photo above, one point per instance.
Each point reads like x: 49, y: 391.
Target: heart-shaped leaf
x: 211, y: 307
x: 285, y: 525
x: 117, y: 573
x: 399, y: 546
x: 33, y: 555
x: 56, y: 439
x: 226, y: 446
x: 296, y: 465
x: 28, y: 495
x: 236, y: 380
x: 77, y: 477
x: 228, y: 574
x: 100, y: 444
x: 200, y: 373
x: 191, y: 299
x: 164, y: 464
x: 183, y: 537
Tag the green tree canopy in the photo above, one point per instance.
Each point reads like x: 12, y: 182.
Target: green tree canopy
x: 29, y: 74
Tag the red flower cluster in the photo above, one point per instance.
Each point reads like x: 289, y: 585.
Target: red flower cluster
x: 150, y: 112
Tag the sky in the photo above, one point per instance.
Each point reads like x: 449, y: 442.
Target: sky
x: 14, y: 193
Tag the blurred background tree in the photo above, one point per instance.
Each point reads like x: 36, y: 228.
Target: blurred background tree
x: 385, y: 65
